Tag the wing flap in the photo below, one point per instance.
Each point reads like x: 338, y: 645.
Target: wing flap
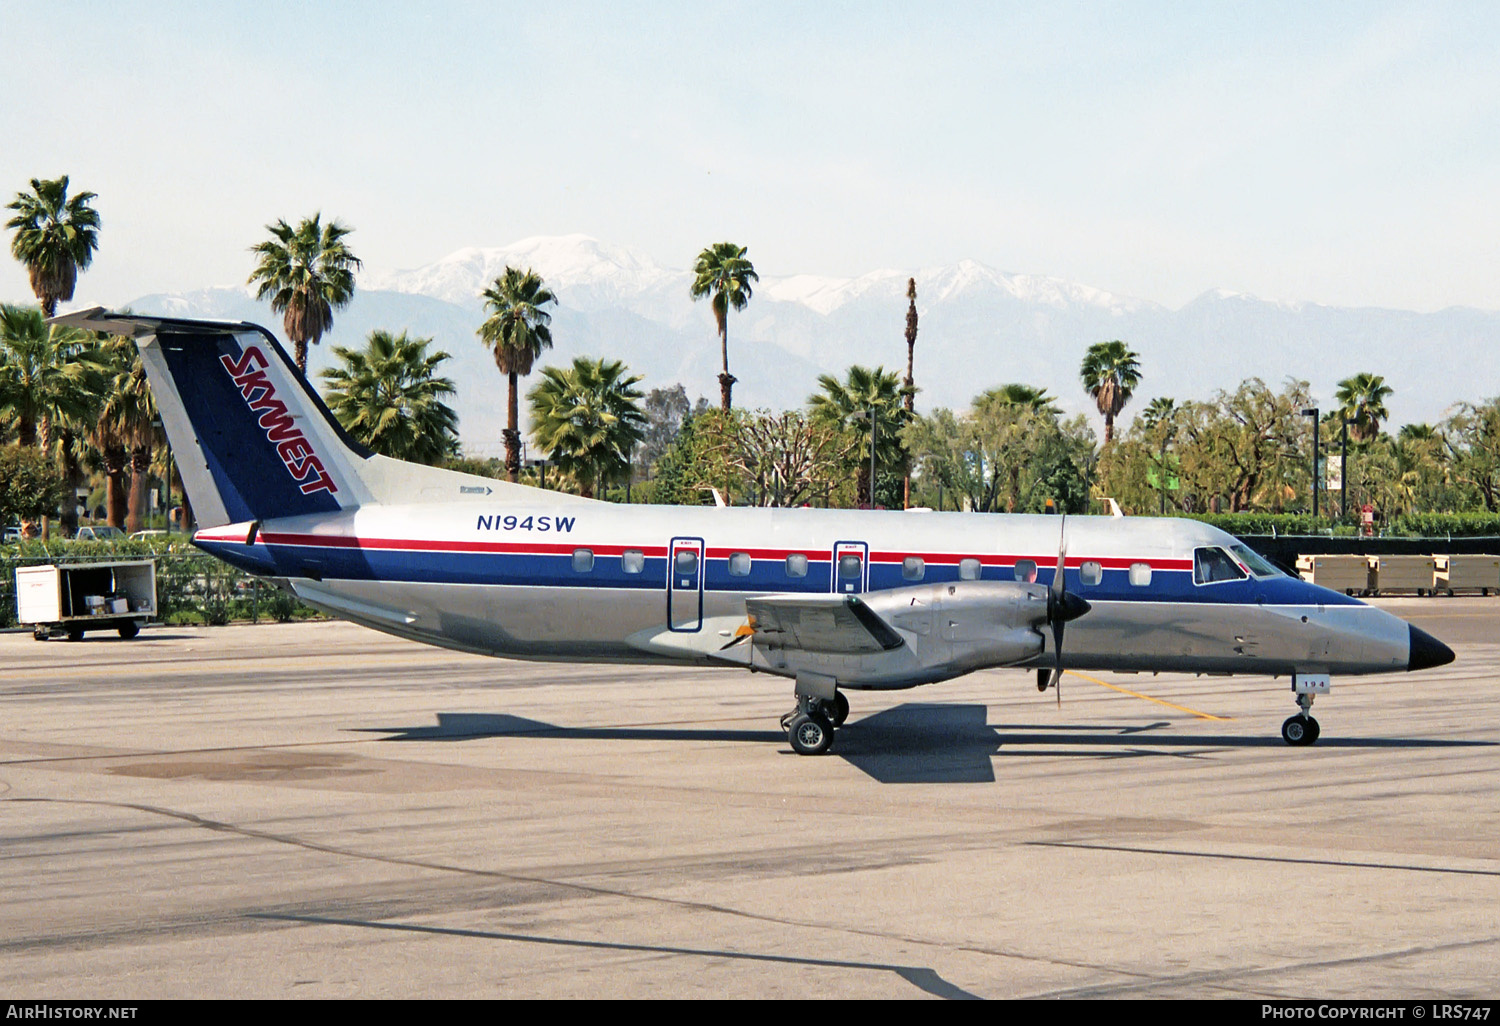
x: 820, y: 623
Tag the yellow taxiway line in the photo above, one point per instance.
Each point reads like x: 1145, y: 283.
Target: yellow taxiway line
x: 1137, y: 694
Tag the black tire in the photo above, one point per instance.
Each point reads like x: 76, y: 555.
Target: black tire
x: 41, y: 634
x: 75, y: 633
x: 129, y: 630
x: 810, y: 735
x: 1299, y: 730
x: 840, y: 709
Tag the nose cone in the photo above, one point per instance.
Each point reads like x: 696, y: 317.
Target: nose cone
x: 1427, y: 651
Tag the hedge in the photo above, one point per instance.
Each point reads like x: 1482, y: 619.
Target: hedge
x: 191, y: 586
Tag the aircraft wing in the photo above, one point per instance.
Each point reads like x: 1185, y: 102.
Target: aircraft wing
x: 820, y: 623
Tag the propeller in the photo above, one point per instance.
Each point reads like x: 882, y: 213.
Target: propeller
x: 1061, y: 607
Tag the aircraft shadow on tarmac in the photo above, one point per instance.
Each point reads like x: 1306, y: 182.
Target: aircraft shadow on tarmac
x: 915, y: 742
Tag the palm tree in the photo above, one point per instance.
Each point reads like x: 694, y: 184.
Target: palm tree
x: 588, y: 418
x: 1036, y: 399
x: 48, y: 384
x: 517, y: 331
x: 308, y: 273
x: 43, y: 373
x: 722, y: 272
x: 125, y: 431
x: 389, y: 397
x: 848, y: 405
x: 1158, y: 410
x: 1110, y: 373
x: 1362, y: 400
x: 55, y: 238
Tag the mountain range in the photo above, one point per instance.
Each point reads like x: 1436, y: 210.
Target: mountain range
x: 979, y: 328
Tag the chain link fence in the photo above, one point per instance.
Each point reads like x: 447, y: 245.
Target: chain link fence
x: 191, y: 586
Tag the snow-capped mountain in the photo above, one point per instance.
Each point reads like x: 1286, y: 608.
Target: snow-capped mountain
x: 979, y: 328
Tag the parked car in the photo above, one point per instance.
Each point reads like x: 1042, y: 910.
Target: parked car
x: 102, y: 533
x: 9, y: 535
x: 142, y: 535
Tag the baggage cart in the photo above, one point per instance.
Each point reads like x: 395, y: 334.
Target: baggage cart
x: 74, y: 598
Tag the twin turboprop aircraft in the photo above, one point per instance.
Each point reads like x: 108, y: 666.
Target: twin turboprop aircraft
x: 834, y: 600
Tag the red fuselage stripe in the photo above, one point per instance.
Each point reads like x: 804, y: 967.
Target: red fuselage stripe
x: 554, y: 549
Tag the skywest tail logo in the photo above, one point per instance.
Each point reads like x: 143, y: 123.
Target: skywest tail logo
x: 291, y: 445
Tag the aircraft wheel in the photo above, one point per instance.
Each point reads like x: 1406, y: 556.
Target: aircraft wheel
x: 1299, y: 730
x: 129, y: 630
x: 810, y: 735
x: 840, y: 709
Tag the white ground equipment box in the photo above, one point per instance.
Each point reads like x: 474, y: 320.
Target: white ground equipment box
x: 78, y: 597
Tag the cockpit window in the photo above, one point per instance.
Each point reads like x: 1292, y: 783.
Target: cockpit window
x: 1213, y: 565
x: 1255, y: 561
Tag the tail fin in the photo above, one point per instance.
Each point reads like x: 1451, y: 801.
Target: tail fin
x: 251, y: 437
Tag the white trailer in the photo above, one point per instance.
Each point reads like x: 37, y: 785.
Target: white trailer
x: 76, y: 597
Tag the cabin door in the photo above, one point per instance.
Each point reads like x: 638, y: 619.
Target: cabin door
x: 685, y: 584
x: 851, y: 568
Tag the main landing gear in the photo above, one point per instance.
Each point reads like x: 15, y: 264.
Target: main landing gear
x: 810, y: 726
x: 1301, y: 729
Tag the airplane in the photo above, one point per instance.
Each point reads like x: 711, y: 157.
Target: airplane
x: 834, y: 600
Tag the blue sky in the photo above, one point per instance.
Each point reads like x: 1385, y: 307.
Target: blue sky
x: 1337, y: 153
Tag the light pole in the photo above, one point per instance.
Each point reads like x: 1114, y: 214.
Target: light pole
x: 1313, y: 413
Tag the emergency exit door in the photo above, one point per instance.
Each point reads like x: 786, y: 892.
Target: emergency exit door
x: 851, y: 567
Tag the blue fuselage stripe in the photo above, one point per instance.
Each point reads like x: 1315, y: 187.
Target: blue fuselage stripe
x: 766, y: 575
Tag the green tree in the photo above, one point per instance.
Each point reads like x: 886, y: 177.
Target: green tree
x: 517, y: 332
x: 723, y: 273
x: 30, y: 487
x: 865, y: 396
x: 389, y: 396
x: 1004, y: 456
x: 785, y: 459
x: 307, y: 272
x: 1251, y: 447
x: 1362, y: 400
x: 55, y: 238
x: 1472, y: 436
x: 587, y: 418
x: 1110, y: 373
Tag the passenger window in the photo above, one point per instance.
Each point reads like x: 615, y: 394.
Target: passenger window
x: 739, y: 564
x: 632, y: 561
x: 1211, y: 566
x: 1091, y: 572
x: 796, y: 565
x: 583, y: 560
x: 1026, y: 570
x: 685, y: 561
x: 913, y: 569
x: 850, y: 567
x: 969, y: 570
x: 1140, y: 574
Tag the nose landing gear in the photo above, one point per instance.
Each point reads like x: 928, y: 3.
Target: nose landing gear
x: 1301, y: 729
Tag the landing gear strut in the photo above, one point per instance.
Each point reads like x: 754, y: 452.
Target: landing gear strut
x: 809, y: 727
x: 1301, y: 729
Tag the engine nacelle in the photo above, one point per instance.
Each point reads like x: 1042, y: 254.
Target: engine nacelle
x: 967, y: 625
